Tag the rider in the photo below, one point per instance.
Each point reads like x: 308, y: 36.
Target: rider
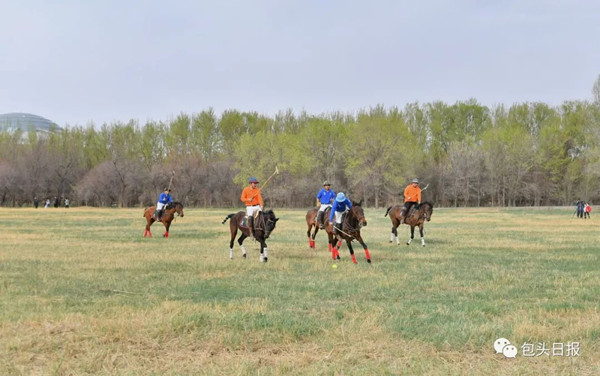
x: 325, y: 198
x: 163, y: 200
x: 340, y: 206
x: 252, y: 197
x: 412, y: 195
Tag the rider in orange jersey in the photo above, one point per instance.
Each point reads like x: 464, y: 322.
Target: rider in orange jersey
x: 412, y: 195
x: 252, y: 197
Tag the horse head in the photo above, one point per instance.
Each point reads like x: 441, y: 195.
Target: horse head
x: 270, y: 222
x: 358, y: 212
x: 176, y: 206
x: 427, y: 210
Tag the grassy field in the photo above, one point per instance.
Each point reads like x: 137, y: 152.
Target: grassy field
x: 82, y: 292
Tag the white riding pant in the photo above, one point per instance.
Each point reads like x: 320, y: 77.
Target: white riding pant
x: 160, y: 206
x: 250, y: 210
x: 323, y: 207
x: 338, y: 217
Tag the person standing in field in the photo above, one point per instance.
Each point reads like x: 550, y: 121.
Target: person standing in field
x: 252, y: 198
x: 412, y: 195
x: 325, y: 199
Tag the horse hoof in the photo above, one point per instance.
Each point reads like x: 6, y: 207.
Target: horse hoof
x: 244, y: 255
x: 369, y: 261
x: 266, y: 259
x: 338, y: 257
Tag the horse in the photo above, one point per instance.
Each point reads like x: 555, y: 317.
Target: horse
x: 264, y: 224
x: 416, y: 217
x: 169, y: 214
x: 353, y: 220
x: 311, y: 221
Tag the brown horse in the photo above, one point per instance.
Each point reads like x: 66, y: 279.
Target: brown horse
x: 169, y: 214
x: 264, y: 224
x: 311, y: 221
x: 352, y: 222
x: 416, y: 217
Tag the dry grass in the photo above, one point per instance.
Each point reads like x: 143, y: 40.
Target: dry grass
x: 83, y: 293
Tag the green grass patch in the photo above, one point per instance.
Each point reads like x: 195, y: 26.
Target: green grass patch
x: 82, y: 292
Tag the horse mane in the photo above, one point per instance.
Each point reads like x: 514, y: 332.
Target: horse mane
x: 427, y: 203
x: 173, y: 204
x: 354, y: 203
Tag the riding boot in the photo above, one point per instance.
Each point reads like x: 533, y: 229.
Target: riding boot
x: 250, y: 226
x: 320, y: 219
x: 402, y: 216
x: 155, y: 215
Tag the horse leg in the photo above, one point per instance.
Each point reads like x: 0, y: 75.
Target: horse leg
x: 149, y: 222
x: 364, y: 245
x: 332, y: 246
x: 412, y: 235
x: 395, y: 224
x: 166, y: 234
x: 264, y: 254
x: 240, y: 242
x: 349, y: 243
x: 311, y: 240
x: 422, y: 237
x: 233, y: 231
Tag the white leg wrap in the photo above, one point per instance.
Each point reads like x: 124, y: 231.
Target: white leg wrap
x: 231, y: 253
x: 423, y: 242
x: 266, y: 253
x: 243, y: 251
x: 409, y: 241
x: 392, y: 237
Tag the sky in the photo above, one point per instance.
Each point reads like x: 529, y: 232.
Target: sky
x: 88, y: 62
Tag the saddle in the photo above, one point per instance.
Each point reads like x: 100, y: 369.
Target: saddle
x: 411, y: 212
x: 256, y: 224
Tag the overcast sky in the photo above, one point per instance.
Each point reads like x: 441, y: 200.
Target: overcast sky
x: 101, y: 61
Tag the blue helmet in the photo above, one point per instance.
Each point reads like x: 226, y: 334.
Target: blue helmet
x: 252, y: 180
x: 341, y: 197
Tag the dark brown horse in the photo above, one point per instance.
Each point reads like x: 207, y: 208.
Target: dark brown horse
x: 264, y: 224
x: 352, y: 222
x: 416, y: 217
x: 169, y: 214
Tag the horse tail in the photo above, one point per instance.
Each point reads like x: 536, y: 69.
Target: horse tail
x: 387, y: 211
x: 228, y: 217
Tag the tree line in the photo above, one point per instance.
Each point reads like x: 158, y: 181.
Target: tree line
x: 466, y: 153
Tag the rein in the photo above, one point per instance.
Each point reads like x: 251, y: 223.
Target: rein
x: 353, y: 228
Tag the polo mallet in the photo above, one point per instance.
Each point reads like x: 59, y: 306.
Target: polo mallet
x: 171, y: 181
x: 269, y: 178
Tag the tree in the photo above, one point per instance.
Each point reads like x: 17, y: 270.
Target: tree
x: 596, y: 91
